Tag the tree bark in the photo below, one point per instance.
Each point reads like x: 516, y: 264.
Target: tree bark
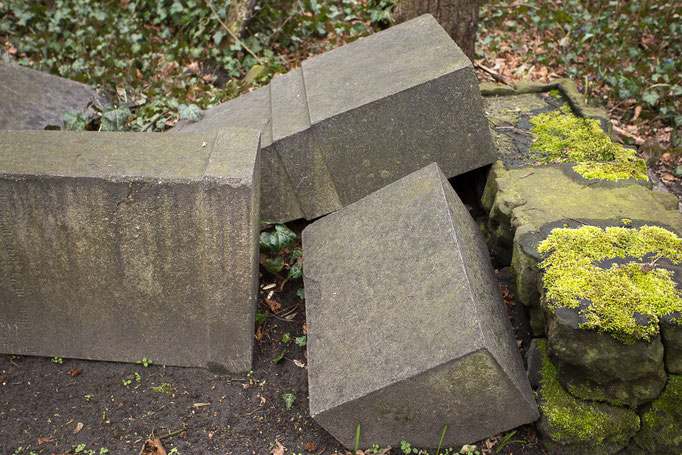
x: 458, y: 17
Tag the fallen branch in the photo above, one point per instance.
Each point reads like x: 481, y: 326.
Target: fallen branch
x: 497, y: 76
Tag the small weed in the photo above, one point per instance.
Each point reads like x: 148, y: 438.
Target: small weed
x: 126, y: 382
x: 286, y: 337
x: 301, y: 294
x: 279, y: 356
x: 260, y: 318
x: 138, y: 378
x: 57, y: 360
x: 357, y: 438
x: 407, y: 448
x: 301, y: 341
x: 164, y: 388
x: 88, y: 397
x: 508, y: 440
x: 289, y: 399
x: 145, y: 362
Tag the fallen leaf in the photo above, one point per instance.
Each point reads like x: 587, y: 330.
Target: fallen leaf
x: 299, y: 364
x: 273, y: 304
x: 152, y: 447
x: 305, y: 328
x: 76, y: 372
x: 79, y: 427
x: 4, y: 379
x: 278, y: 449
x: 310, y: 446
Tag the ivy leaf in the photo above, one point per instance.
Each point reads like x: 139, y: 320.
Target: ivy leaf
x: 297, y: 253
x: 190, y: 112
x: 115, y: 118
x: 301, y: 341
x: 650, y: 98
x: 295, y: 271
x: 301, y: 294
x: 279, y: 356
x: 73, y: 120
x: 260, y: 318
x: 289, y: 399
x: 276, y: 241
x: 274, y: 265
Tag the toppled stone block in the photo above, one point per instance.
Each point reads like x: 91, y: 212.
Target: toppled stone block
x: 572, y: 426
x: 123, y: 246
x: 403, y: 311
x: 32, y: 100
x: 359, y: 117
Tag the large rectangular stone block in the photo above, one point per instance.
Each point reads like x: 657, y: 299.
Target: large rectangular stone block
x: 359, y: 117
x: 118, y: 246
x: 407, y: 331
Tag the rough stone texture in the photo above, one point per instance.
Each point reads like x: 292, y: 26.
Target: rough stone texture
x: 590, y: 364
x: 361, y: 116
x: 534, y: 362
x: 661, y: 430
x: 121, y: 246
x: 32, y: 100
x: 671, y: 332
x: 403, y: 311
x: 569, y: 426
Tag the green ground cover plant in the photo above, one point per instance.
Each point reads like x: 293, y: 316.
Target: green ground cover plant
x: 622, y: 54
x: 154, y: 58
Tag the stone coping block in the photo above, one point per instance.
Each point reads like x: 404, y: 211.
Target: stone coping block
x: 123, y: 246
x: 32, y: 100
x: 407, y: 331
x: 359, y: 117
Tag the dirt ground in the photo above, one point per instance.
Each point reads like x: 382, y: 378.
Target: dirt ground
x: 68, y: 406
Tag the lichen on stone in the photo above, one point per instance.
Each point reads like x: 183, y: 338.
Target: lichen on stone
x: 560, y: 136
x: 662, y: 424
x: 570, y: 420
x: 625, y: 297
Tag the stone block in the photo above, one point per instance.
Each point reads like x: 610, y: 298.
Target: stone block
x: 119, y: 246
x: 361, y: 116
x: 407, y: 331
x: 671, y: 332
x: 32, y: 100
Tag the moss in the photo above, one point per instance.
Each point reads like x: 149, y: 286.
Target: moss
x: 626, y: 299
x: 662, y: 423
x: 575, y: 421
x: 562, y: 137
x: 593, y: 394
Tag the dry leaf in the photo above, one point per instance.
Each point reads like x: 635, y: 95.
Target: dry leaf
x: 299, y: 364
x: 44, y: 440
x: 305, y: 328
x: 278, y: 449
x: 152, y: 447
x: 76, y: 372
x: 310, y: 446
x: 273, y: 304
x: 79, y: 427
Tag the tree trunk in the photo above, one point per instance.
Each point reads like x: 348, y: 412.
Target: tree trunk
x: 458, y: 17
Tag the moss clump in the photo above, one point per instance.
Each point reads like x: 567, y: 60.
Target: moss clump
x: 662, y: 424
x: 573, y: 421
x: 562, y: 137
x: 626, y: 299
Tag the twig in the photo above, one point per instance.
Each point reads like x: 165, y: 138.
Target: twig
x: 497, y: 76
x: 516, y: 5
x: 170, y: 434
x: 235, y: 37
x: 527, y: 175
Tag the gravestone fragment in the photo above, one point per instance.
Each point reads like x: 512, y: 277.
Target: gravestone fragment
x: 32, y: 100
x: 361, y: 116
x: 407, y: 332
x: 123, y: 246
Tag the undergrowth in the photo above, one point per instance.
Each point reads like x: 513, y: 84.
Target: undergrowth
x: 153, y: 58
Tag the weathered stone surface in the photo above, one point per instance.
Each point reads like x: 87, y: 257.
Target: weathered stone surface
x: 359, y: 117
x: 571, y: 426
x: 671, y: 332
x: 403, y: 311
x: 32, y: 100
x: 661, y: 430
x: 589, y: 363
x: 121, y: 246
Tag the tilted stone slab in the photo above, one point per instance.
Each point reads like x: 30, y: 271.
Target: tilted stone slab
x: 406, y: 329
x: 119, y: 246
x: 359, y: 117
x: 32, y: 100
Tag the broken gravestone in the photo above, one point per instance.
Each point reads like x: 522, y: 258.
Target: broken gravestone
x: 359, y: 117
x: 32, y: 100
x: 123, y: 246
x: 407, y: 332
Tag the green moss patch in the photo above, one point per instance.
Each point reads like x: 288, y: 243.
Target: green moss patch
x: 560, y: 136
x: 626, y: 299
x: 662, y: 424
x: 573, y: 421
